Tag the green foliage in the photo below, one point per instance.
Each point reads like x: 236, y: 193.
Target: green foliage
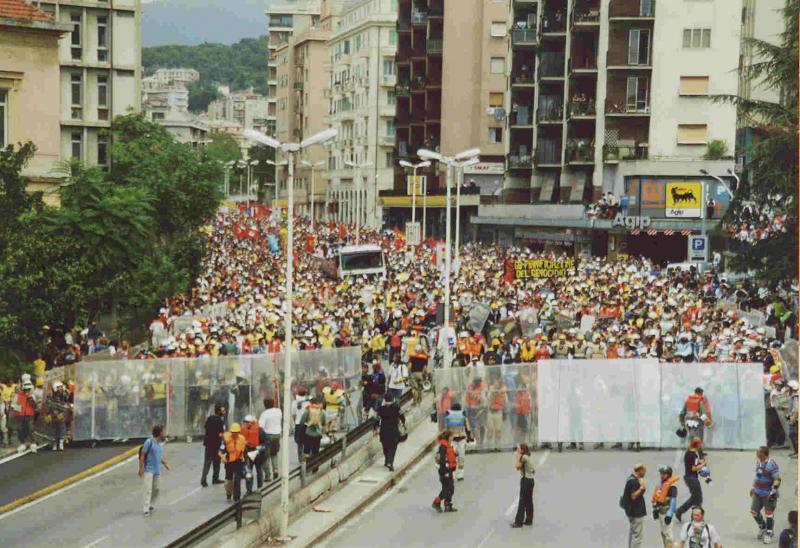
x: 772, y: 164
x: 120, y: 243
x: 263, y: 172
x: 716, y: 150
x: 240, y: 65
x: 201, y: 94
x: 223, y: 148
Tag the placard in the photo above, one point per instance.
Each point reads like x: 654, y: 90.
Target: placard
x: 684, y: 199
x: 543, y: 268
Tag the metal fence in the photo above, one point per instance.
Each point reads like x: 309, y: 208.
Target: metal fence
x: 123, y: 399
x: 603, y: 401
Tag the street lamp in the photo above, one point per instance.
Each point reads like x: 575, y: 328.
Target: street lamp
x: 359, y: 199
x: 461, y: 165
x: 449, y: 162
x: 722, y: 181
x: 414, y: 167
x: 227, y: 166
x: 275, y: 183
x: 313, y: 168
x: 292, y: 149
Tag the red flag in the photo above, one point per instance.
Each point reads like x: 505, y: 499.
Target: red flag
x: 310, y: 243
x: 342, y: 230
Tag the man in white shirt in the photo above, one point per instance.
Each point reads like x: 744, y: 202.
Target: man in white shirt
x: 270, y: 421
x: 398, y: 376
x: 699, y: 534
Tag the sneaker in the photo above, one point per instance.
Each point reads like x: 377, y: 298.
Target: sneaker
x: 437, y: 507
x: 21, y: 448
x: 33, y: 449
x: 760, y: 535
x: 767, y: 537
x: 147, y: 514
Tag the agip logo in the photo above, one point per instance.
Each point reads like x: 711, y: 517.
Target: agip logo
x: 684, y: 199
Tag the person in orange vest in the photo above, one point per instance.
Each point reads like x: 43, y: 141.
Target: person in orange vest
x: 446, y: 460
x: 255, y: 441
x: 497, y: 405
x: 697, y: 412
x: 664, y: 501
x: 24, y: 408
x: 231, y: 451
x: 476, y: 409
x: 462, y: 348
x: 475, y: 346
x: 522, y: 410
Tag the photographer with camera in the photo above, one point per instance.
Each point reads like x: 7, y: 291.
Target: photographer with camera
x: 456, y: 423
x: 699, y: 534
x: 764, y: 493
x: 525, y: 466
x: 398, y: 377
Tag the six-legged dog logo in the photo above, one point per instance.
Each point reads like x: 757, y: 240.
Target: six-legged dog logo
x: 680, y: 195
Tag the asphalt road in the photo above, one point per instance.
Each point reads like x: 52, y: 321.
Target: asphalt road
x: 106, y: 510
x: 575, y: 499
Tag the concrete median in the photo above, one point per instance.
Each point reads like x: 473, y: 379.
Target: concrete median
x: 321, y: 489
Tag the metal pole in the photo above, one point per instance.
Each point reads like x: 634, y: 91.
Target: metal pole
x: 287, y: 373
x: 446, y: 326
x: 458, y: 209
x: 413, y: 202
x: 425, y: 209
x: 312, y: 199
x: 358, y: 207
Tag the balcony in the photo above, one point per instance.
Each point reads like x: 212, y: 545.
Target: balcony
x: 625, y: 150
x: 554, y: 23
x: 419, y: 18
x: 521, y: 117
x: 588, y: 18
x: 581, y: 107
x: 548, y: 156
x: 632, y: 10
x: 551, y: 65
x: 403, y: 25
x: 402, y: 89
x: 550, y: 114
x: 386, y: 140
x: 520, y: 161
x: 298, y: 85
x: 522, y: 79
x: 435, y: 45
x: 580, y: 151
x: 418, y: 116
x: 389, y: 80
x: 524, y: 37
x: 623, y: 109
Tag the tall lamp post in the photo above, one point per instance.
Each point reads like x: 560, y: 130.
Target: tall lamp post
x: 461, y: 166
x: 414, y: 168
x: 292, y: 149
x: 275, y: 183
x: 313, y: 169
x: 449, y: 162
x: 359, y: 199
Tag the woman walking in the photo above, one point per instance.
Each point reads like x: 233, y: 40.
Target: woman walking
x: 693, y: 462
x: 525, y: 466
x: 389, y: 417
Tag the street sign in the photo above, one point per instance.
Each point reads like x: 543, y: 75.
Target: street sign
x: 413, y: 234
x: 414, y: 185
x: 684, y: 199
x: 697, y: 248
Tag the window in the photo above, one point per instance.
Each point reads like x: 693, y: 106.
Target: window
x: 76, y: 88
x: 390, y: 128
x: 75, y: 39
x: 3, y: 117
x: 697, y: 38
x: 391, y: 97
x: 498, y: 65
x: 498, y: 30
x: 639, y: 47
x: 692, y: 134
x: 158, y: 116
x: 495, y: 135
x: 102, y: 91
x: 636, y: 96
x: 102, y: 39
x: 495, y: 99
x: 388, y: 67
x: 102, y: 150
x: 77, y: 144
x: 694, y: 85
x: 392, y: 37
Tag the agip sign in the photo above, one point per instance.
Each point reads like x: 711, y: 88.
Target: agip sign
x: 631, y: 222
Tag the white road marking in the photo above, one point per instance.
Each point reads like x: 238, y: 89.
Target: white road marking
x: 18, y: 455
x: 543, y: 458
x: 512, y: 507
x: 187, y: 495
x: 489, y: 534
x: 68, y: 487
x: 95, y: 543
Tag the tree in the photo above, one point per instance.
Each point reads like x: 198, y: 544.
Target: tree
x: 14, y: 199
x: 201, y: 94
x: 772, y: 163
x: 223, y: 148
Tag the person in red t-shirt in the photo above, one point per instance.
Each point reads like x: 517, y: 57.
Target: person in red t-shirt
x: 24, y: 408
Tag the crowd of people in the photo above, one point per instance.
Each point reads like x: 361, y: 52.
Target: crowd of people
x: 756, y: 223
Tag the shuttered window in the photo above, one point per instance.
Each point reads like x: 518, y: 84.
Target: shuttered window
x: 692, y: 134
x: 694, y: 85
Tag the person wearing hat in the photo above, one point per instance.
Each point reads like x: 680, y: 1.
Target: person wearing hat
x: 664, y: 501
x: 59, y: 406
x: 23, y: 408
x: 232, y: 453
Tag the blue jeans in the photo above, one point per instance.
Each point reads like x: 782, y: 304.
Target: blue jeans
x: 396, y: 393
x: 695, y: 496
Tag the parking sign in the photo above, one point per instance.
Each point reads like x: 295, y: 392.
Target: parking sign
x: 698, y: 248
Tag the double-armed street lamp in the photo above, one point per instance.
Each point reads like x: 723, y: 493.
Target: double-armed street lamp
x: 414, y: 168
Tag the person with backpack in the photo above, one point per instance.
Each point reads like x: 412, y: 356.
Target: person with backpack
x: 150, y: 460
x: 231, y: 451
x: 255, y: 442
x: 764, y: 493
x: 313, y: 419
x: 446, y: 461
x: 664, y: 501
x: 699, y: 534
x: 214, y: 427
x: 788, y: 538
x: 633, y: 503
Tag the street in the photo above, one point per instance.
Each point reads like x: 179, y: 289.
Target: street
x: 575, y: 502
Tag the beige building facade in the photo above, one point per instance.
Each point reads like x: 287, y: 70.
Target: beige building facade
x: 29, y: 91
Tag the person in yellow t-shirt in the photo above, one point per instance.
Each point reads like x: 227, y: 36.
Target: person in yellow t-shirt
x: 39, y: 366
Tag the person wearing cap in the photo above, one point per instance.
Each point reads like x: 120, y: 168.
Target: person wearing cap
x: 664, y: 501
x: 23, y: 409
x: 57, y: 415
x: 256, y: 443
x: 232, y: 453
x: 633, y: 503
x: 151, y: 457
x: 214, y: 427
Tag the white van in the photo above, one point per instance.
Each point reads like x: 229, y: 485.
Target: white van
x: 354, y: 260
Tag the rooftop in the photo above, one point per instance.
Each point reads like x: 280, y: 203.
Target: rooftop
x: 19, y: 9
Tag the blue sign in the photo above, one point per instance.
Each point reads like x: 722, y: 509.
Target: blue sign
x: 698, y: 248
x: 698, y: 244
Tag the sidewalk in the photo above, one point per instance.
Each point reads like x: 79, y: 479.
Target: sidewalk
x: 326, y: 516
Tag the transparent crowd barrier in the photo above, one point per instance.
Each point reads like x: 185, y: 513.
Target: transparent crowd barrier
x: 603, y: 401
x: 125, y: 398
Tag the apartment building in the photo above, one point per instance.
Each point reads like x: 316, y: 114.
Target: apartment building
x: 360, y: 93
x: 29, y: 91
x: 100, y: 71
x: 245, y: 108
x: 614, y: 96
x: 451, y: 74
x: 283, y: 20
x: 174, y: 76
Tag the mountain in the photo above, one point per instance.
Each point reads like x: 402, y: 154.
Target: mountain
x: 190, y: 22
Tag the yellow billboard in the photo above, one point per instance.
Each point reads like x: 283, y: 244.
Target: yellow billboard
x: 684, y: 199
